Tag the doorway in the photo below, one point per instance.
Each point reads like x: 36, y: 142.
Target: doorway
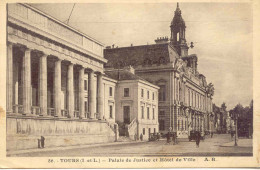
x: 126, y: 114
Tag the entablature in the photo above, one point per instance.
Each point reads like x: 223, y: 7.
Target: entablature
x: 40, y: 23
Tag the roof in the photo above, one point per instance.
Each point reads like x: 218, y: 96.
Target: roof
x: 190, y: 56
x: 122, y: 74
x: 125, y: 74
x: 139, y: 55
x: 61, y: 23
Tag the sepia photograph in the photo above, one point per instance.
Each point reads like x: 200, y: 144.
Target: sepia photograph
x: 129, y: 81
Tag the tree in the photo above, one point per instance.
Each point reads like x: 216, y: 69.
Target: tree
x: 239, y: 110
x: 223, y: 106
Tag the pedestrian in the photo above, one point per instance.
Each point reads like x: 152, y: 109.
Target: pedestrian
x: 141, y: 137
x: 42, y: 141
x: 168, y: 138
x: 232, y: 134
x: 158, y: 136
x: 173, y: 138
x: 198, y: 139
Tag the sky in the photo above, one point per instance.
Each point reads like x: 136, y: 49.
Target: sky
x: 221, y: 32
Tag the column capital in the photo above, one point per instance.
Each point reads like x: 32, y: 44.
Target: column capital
x: 89, y: 70
x: 10, y: 43
x: 41, y: 53
x: 60, y: 57
x: 24, y: 48
x: 99, y: 73
x: 72, y: 63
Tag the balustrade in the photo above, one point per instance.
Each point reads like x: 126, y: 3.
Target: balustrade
x: 35, y: 110
x: 87, y: 115
x: 64, y: 113
x: 18, y: 109
x: 76, y: 113
x: 51, y: 112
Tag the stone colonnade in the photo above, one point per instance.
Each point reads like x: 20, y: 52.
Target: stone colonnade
x: 197, y: 120
x: 95, y: 97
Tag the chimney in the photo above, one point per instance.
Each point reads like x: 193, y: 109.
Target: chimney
x: 130, y: 69
x: 161, y: 40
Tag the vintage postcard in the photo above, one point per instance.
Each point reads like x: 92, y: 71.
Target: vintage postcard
x: 122, y: 84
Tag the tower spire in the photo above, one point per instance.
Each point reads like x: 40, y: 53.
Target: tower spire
x: 178, y: 27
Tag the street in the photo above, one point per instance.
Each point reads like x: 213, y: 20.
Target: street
x: 219, y: 145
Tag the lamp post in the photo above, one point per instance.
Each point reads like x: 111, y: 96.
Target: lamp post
x: 235, y: 129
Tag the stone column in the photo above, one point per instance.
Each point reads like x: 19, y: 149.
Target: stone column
x: 27, y: 82
x: 81, y: 93
x: 57, y: 88
x: 43, y: 84
x: 100, y: 96
x: 70, y: 99
x: 92, y: 95
x: 9, y: 79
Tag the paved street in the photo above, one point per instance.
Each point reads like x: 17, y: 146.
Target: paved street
x: 219, y: 145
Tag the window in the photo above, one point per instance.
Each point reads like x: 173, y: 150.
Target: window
x: 184, y: 95
x: 143, y: 131
x: 148, y: 113
x: 195, y: 100
x: 177, y: 90
x: 185, y: 125
x: 161, y: 124
x: 178, y: 125
x: 191, y: 98
x: 161, y: 113
x: 111, y: 111
x: 148, y: 94
x: 181, y: 124
x: 85, y: 85
x: 86, y: 106
x: 162, y: 93
x: 153, y: 95
x: 180, y: 90
x: 142, y: 110
x: 126, y: 92
x: 154, y: 130
x: 142, y: 92
x: 110, y: 91
x: 153, y: 114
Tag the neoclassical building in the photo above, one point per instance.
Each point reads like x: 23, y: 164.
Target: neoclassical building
x: 185, y: 97
x: 136, y: 104
x: 55, y: 83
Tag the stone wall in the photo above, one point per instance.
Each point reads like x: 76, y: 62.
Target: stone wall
x: 23, y: 132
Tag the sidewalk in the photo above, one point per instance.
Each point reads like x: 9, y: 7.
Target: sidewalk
x: 12, y: 153
x: 240, y: 143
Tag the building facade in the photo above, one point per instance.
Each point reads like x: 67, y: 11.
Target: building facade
x: 185, y: 97
x: 136, y: 104
x: 55, y: 83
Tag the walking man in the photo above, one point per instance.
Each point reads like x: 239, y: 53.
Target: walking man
x: 198, y: 139
x: 168, y: 138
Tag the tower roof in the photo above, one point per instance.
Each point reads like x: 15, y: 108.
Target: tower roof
x: 177, y: 19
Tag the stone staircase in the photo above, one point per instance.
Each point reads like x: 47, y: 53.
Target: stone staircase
x: 124, y: 139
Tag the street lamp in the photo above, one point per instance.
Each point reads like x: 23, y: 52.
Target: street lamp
x: 235, y: 129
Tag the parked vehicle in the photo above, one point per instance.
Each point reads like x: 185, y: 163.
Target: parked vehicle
x: 193, y: 135
x: 154, y: 136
